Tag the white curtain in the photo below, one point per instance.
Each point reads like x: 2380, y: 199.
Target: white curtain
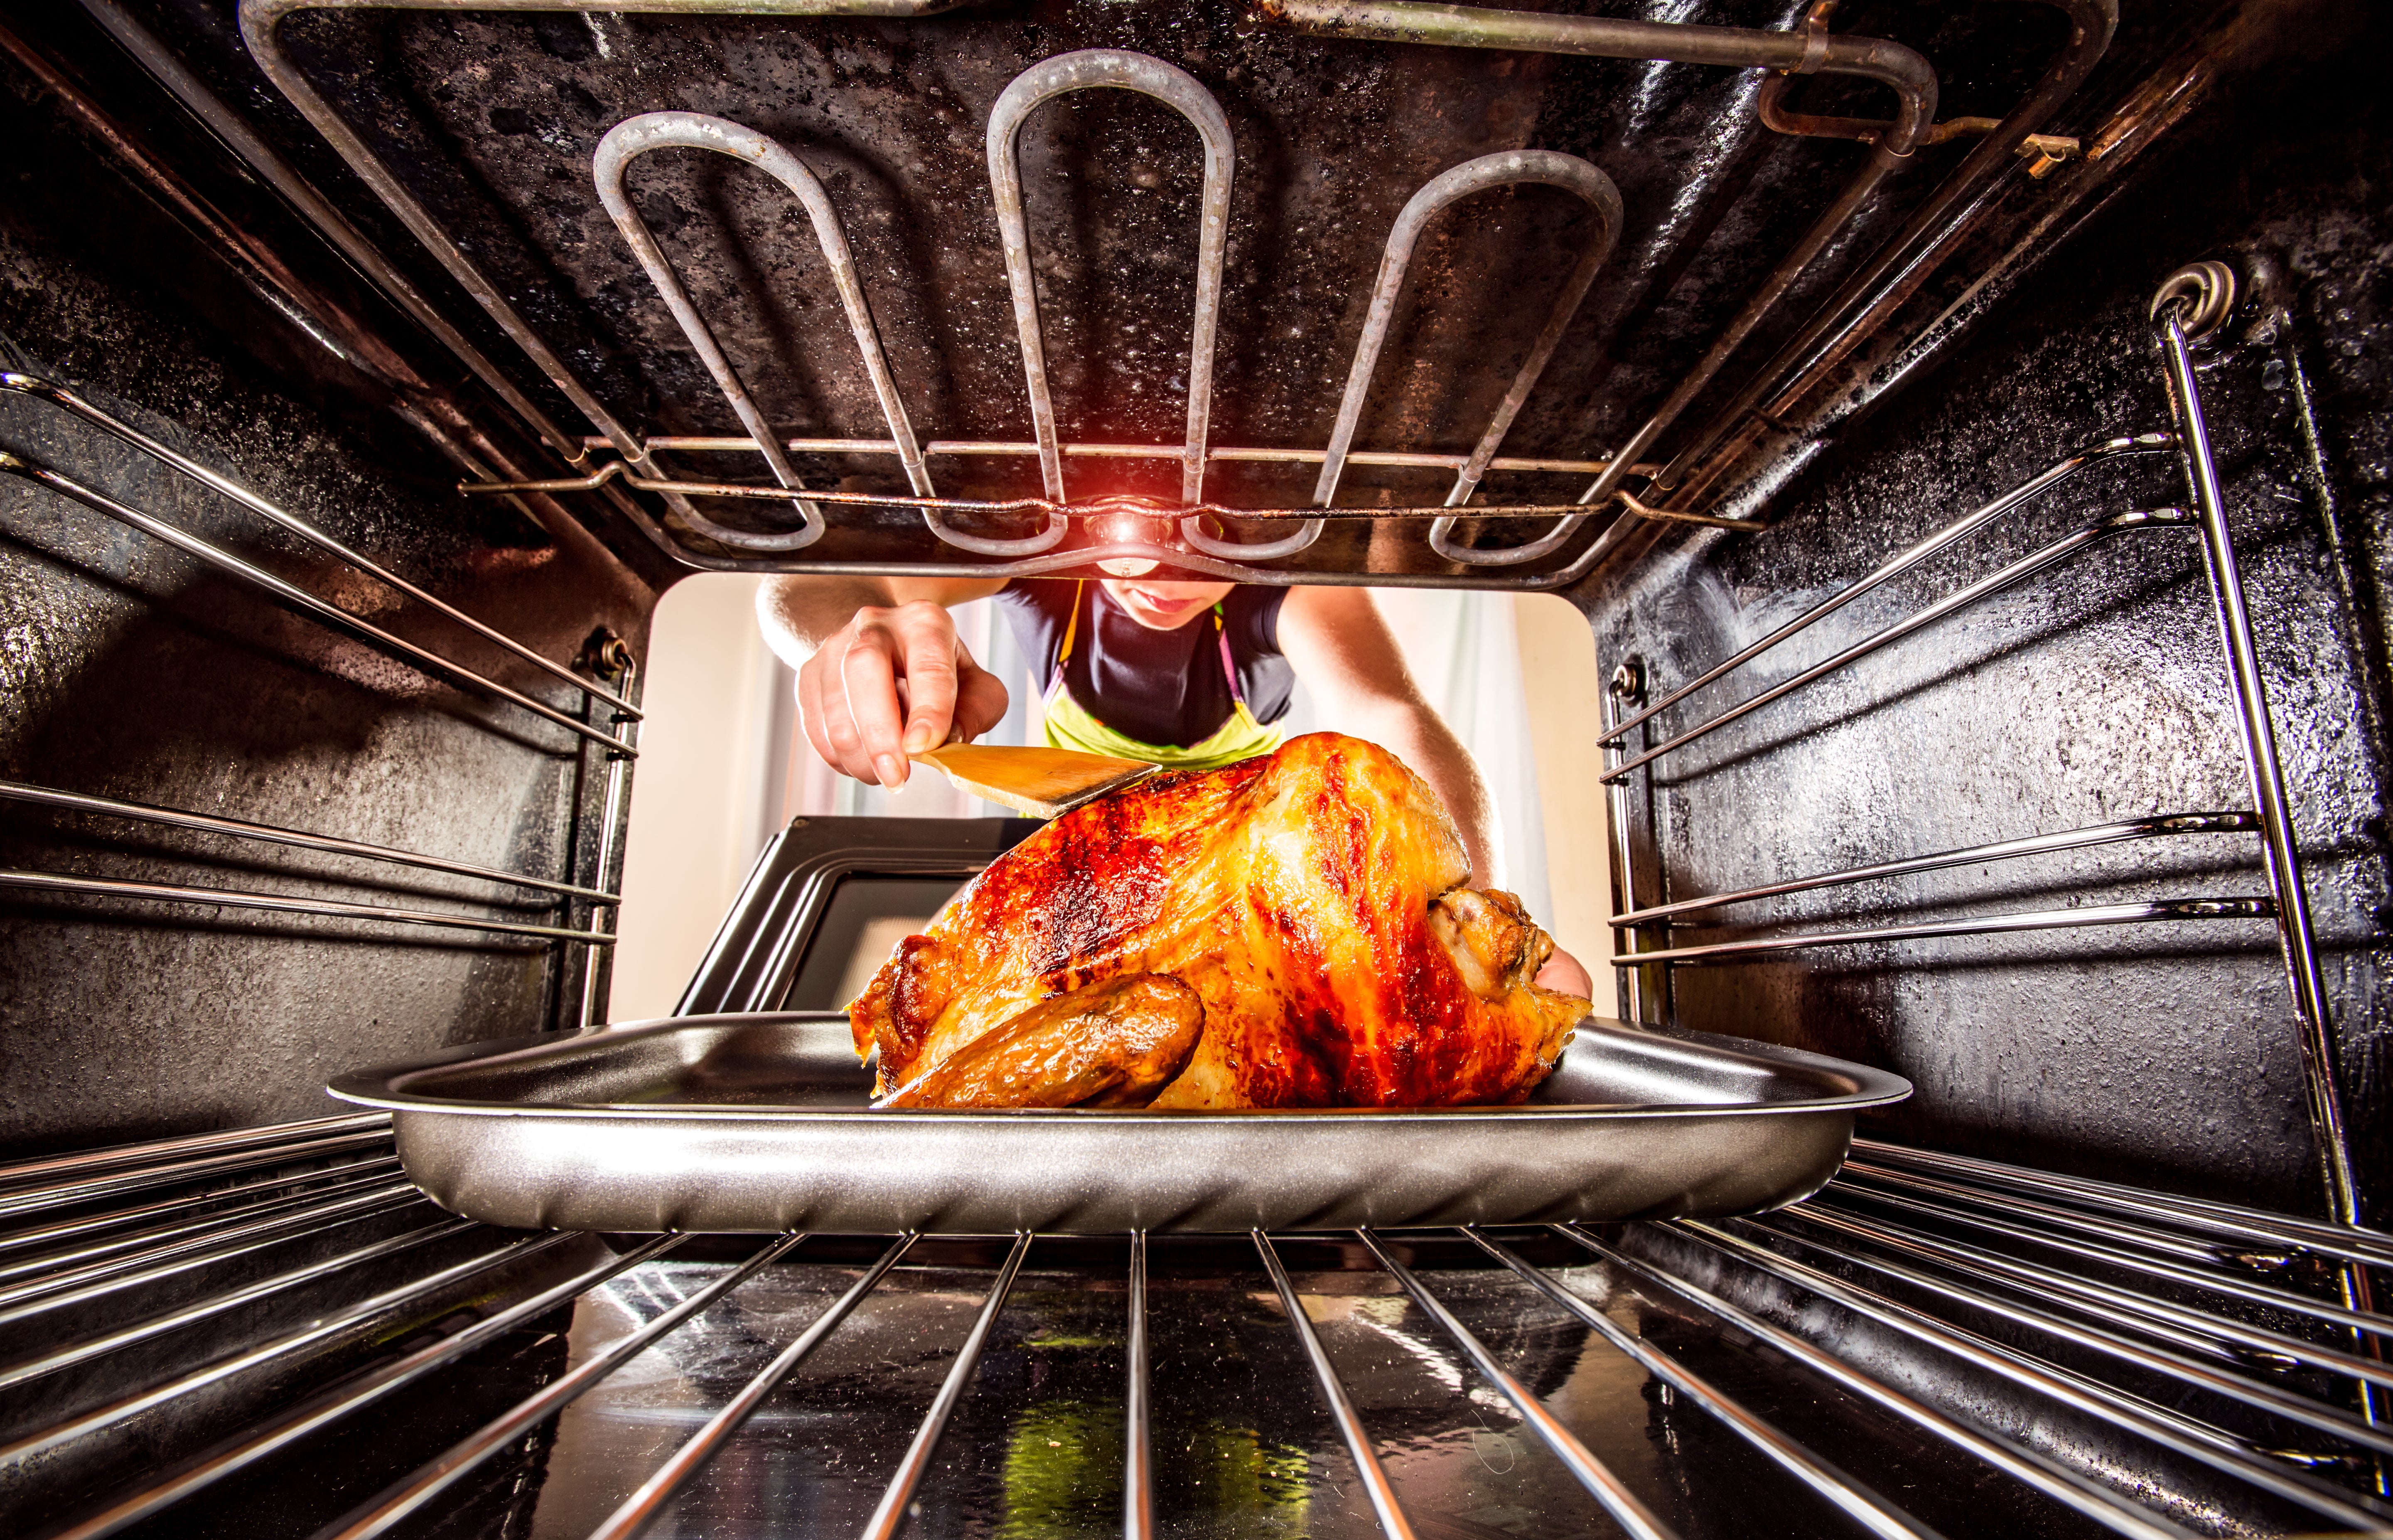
x: 1462, y: 649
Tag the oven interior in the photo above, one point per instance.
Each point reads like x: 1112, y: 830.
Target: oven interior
x: 1963, y: 426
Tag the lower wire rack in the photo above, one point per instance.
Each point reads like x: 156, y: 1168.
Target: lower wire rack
x: 271, y: 1332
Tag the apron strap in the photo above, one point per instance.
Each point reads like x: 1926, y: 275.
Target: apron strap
x: 1071, y: 629
x: 1229, y: 668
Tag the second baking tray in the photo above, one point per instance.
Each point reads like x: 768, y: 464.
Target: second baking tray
x: 759, y: 1122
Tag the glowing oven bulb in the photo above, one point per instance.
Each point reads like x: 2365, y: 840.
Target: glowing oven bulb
x: 1130, y: 521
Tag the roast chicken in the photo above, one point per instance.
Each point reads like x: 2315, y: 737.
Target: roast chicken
x: 1288, y: 931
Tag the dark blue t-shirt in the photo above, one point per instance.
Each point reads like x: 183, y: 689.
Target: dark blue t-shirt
x: 1157, y: 686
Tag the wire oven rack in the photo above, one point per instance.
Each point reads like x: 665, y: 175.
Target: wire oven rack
x: 1178, y: 534
x: 187, y: 1317
x: 2191, y: 305
x: 607, y: 687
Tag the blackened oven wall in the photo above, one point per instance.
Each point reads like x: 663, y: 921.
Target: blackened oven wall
x: 2164, y: 1053
x: 131, y: 672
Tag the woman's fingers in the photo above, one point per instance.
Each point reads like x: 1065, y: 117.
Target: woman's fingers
x: 928, y: 636
x: 868, y: 677
x: 822, y: 702
x: 980, y: 696
x: 810, y: 708
x: 1563, y: 975
x: 887, y: 684
x: 890, y: 683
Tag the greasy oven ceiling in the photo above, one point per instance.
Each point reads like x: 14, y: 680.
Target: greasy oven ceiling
x: 489, y: 119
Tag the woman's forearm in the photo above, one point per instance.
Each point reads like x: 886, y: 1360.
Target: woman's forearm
x: 1417, y: 736
x: 797, y: 613
x: 1341, y: 648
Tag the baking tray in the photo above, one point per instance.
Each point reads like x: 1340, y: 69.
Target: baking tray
x: 759, y: 1122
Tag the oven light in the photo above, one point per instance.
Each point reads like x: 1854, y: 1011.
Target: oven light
x: 1130, y: 521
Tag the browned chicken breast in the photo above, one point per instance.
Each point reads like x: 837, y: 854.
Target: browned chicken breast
x: 1308, y: 903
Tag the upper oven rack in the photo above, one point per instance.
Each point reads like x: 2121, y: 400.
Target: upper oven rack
x: 1187, y: 536
x: 2062, y: 1379
x: 607, y: 684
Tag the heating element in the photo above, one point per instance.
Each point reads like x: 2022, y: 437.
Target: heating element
x: 271, y: 1332
x: 1188, y: 535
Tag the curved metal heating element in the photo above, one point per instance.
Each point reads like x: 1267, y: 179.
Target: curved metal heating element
x: 1912, y: 78
x: 1892, y: 273
x: 636, y: 137
x: 1059, y: 513
x: 1803, y: 52
x: 1192, y: 533
x: 1093, y: 508
x: 1179, y: 90
x: 260, y: 23
x: 1078, y: 450
x: 1058, y: 525
x: 1506, y: 169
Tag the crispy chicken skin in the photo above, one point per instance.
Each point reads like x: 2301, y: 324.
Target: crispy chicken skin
x: 1311, y: 900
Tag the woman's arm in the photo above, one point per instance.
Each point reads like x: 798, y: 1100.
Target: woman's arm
x: 1341, y: 648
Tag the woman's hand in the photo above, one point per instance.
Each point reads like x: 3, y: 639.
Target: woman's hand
x: 893, y: 681
x: 1563, y: 975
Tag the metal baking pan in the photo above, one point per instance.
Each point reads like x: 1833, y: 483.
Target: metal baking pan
x: 759, y: 1122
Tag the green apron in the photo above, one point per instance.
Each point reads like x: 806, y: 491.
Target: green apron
x: 1068, y: 724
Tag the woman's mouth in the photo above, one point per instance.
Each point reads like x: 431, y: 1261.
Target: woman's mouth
x: 1169, y: 608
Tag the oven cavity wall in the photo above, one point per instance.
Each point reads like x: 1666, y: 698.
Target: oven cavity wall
x: 141, y: 270
x: 2091, y: 692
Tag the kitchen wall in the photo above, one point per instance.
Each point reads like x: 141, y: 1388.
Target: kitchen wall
x: 712, y: 783
x: 1566, y: 696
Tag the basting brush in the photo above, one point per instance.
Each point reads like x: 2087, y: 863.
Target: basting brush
x: 1039, y: 783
